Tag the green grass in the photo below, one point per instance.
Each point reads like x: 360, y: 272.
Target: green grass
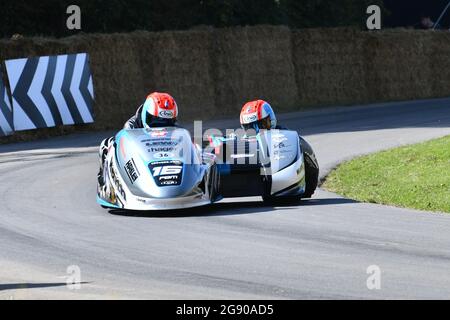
x: 416, y: 176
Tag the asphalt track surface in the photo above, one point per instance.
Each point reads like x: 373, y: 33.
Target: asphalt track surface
x: 236, y: 249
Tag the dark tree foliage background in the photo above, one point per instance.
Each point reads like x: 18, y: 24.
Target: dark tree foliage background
x: 48, y: 17
x: 409, y: 12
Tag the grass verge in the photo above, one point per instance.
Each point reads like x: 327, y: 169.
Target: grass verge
x: 415, y: 176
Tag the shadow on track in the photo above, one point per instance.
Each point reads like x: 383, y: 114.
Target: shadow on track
x: 231, y: 208
x: 327, y: 201
x: 15, y: 286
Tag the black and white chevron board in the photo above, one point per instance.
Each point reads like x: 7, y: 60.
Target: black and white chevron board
x: 50, y: 91
x: 6, y: 115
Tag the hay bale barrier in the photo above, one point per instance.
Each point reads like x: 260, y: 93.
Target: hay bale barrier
x: 211, y: 72
x: 251, y: 63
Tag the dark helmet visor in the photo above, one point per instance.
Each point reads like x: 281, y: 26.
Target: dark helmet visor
x: 155, y: 122
x: 258, y: 125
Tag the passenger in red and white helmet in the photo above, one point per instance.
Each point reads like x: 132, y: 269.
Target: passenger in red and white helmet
x: 158, y: 110
x: 257, y: 115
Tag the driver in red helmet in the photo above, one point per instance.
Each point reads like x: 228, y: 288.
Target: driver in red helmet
x: 158, y: 110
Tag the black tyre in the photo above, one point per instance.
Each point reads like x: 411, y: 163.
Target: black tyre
x: 311, y: 176
x: 214, y: 183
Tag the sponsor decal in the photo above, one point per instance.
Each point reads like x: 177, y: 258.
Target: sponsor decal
x: 162, y: 143
x: 166, y: 114
x: 158, y: 132
x: 281, y: 148
x: 131, y: 170
x: 281, y: 145
x: 156, y: 140
x: 117, y: 183
x: 250, y: 117
x: 161, y: 149
x: 167, y: 173
x: 278, y: 158
x: 281, y: 151
x: 278, y: 139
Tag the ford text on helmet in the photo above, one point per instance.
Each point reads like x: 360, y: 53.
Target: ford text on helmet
x: 257, y: 115
x: 159, y: 110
